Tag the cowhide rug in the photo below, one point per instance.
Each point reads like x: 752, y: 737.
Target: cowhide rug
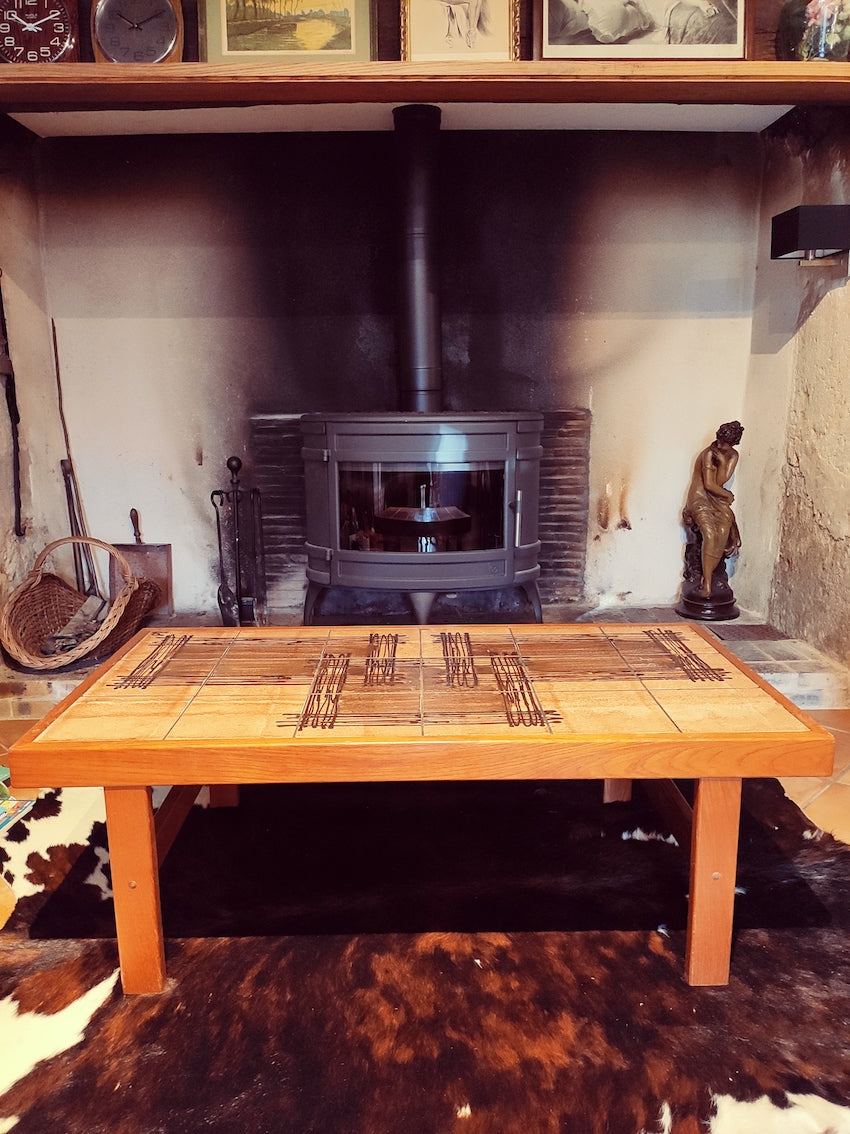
x: 394, y: 959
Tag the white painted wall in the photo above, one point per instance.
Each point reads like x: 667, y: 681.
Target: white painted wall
x: 28, y: 327
x: 761, y: 496
x: 661, y: 355
x: 166, y: 341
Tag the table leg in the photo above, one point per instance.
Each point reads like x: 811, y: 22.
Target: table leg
x: 224, y: 795
x: 135, y: 884
x: 616, y: 791
x: 714, y: 861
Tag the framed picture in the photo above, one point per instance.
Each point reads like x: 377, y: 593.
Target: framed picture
x: 641, y: 29
x: 458, y: 30
x: 287, y: 31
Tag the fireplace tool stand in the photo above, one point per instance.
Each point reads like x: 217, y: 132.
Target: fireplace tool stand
x: 239, y: 526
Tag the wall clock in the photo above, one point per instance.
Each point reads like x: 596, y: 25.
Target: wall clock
x: 39, y: 31
x: 137, y: 31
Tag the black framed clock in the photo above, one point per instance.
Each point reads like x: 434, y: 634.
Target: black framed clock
x: 137, y: 31
x: 39, y: 31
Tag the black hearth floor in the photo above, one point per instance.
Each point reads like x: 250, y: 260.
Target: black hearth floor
x: 342, y: 606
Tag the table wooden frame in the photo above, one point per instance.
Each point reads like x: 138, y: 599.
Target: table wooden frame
x: 717, y: 759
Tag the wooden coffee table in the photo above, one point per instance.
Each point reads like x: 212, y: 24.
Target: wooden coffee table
x: 228, y: 706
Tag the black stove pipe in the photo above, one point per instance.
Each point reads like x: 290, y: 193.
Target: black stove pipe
x: 420, y: 383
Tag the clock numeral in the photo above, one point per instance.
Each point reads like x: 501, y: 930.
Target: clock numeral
x: 32, y: 57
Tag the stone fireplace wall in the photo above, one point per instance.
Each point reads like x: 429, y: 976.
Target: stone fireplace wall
x: 803, y: 318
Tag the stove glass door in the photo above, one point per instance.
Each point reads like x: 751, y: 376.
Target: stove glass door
x: 421, y: 506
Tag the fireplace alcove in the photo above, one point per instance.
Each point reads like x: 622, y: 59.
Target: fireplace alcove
x: 422, y: 503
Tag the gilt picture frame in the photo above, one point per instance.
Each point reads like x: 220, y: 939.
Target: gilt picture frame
x: 640, y: 29
x: 472, y: 31
x: 287, y: 31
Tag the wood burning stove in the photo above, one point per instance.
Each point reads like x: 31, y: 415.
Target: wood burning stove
x: 422, y: 503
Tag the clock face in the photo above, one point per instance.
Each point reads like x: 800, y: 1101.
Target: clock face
x: 135, y: 31
x: 36, y: 31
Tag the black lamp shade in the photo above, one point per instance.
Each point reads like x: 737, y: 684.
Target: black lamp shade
x: 810, y: 232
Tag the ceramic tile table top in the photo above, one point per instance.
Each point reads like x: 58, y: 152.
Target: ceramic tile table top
x: 226, y: 706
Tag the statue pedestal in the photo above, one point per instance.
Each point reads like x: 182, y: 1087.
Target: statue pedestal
x: 720, y: 606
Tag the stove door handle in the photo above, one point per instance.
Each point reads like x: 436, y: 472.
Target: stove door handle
x: 517, y: 507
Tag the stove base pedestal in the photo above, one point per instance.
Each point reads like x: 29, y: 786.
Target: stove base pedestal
x: 421, y: 602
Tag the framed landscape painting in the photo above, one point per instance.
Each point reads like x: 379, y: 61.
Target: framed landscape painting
x: 458, y: 30
x: 641, y: 29
x: 287, y: 31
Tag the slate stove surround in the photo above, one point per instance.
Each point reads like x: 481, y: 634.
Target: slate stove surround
x: 422, y: 500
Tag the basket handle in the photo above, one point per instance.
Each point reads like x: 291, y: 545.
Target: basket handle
x: 42, y: 556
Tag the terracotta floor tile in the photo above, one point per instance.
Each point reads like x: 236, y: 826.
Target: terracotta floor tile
x: 838, y: 723
x: 11, y: 730
x: 803, y: 790
x: 831, y: 811
x: 837, y: 719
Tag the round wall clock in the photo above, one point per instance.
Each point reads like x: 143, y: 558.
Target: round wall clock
x: 137, y: 31
x: 39, y: 31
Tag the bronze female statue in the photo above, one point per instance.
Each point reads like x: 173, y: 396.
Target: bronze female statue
x: 709, y: 517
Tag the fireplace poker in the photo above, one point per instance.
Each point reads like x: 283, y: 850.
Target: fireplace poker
x: 239, y: 510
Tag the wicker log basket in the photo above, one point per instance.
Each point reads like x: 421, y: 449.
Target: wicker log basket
x: 43, y: 604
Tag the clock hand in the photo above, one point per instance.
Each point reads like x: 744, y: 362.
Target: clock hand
x: 121, y: 16
x: 54, y: 15
x: 23, y: 23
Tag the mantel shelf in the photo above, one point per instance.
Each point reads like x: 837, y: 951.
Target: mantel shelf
x: 92, y: 86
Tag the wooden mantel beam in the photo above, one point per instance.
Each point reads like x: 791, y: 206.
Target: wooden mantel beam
x: 91, y: 86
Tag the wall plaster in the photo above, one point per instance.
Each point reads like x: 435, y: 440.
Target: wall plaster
x: 807, y: 163
x: 193, y: 284
x: 812, y: 578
